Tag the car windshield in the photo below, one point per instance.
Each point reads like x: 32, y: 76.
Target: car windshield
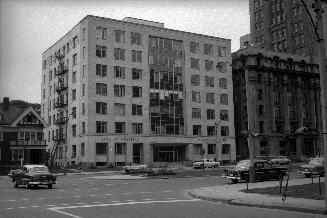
x: 243, y: 164
x: 39, y: 170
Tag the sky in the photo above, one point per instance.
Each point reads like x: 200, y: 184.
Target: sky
x: 29, y: 27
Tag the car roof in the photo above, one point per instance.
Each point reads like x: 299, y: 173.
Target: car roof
x: 33, y: 165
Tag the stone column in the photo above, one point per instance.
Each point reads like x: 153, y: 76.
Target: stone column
x: 148, y: 154
x: 190, y: 152
x: 312, y: 108
x: 298, y: 106
x: 299, y: 147
x: 205, y: 147
x: 129, y: 152
x: 285, y: 109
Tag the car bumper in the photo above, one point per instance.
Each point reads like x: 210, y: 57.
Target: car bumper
x: 42, y: 183
x: 232, y: 177
x: 309, y: 172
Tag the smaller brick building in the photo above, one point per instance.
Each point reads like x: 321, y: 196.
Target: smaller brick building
x: 21, y: 136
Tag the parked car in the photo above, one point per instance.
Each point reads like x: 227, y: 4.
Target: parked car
x: 280, y: 160
x: 264, y: 170
x: 207, y: 163
x: 135, y: 168
x: 35, y: 175
x: 315, y: 166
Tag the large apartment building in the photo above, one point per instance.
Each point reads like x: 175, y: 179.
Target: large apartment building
x: 283, y: 26
x: 116, y: 92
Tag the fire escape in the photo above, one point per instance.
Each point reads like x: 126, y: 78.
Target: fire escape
x: 60, y: 137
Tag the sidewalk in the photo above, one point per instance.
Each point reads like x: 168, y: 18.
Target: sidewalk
x: 233, y: 195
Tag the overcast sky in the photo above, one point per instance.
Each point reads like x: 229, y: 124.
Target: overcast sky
x: 29, y: 27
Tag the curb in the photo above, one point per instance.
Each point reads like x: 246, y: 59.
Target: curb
x: 268, y: 206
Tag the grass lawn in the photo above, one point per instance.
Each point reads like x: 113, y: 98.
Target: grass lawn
x: 309, y: 191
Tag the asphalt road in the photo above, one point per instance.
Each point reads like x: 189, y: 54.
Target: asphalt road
x: 84, y: 196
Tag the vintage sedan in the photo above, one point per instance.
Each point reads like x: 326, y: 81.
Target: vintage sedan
x: 135, y: 168
x: 263, y: 171
x: 32, y: 175
x: 280, y: 160
x: 315, y: 166
x: 207, y: 163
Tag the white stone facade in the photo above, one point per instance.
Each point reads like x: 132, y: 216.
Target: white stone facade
x: 83, y: 76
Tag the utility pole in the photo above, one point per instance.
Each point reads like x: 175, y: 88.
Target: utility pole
x: 323, y: 80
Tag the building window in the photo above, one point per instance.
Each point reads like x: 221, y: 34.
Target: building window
x: 82, y: 149
x: 119, y: 127
x: 197, y: 130
x: 101, y: 89
x: 83, y: 128
x: 210, y: 81
x: 119, y: 72
x: 119, y: 36
x: 261, y: 112
x: 74, y: 130
x: 74, y: 59
x: 210, y: 98
x: 137, y: 92
x: 74, y: 77
x: 74, y: 94
x: 196, y: 97
x: 211, y: 148
x: 83, y: 35
x: 74, y: 112
x: 195, y: 80
x: 223, y: 83
x: 101, y: 107
x: 208, y: 65
x: 136, y: 109
x: 195, y: 64
x: 194, y: 47
x: 224, y: 99
x: 119, y: 90
x: 83, y: 53
x: 101, y: 148
x: 83, y: 108
x: 73, y: 151
x: 119, y: 54
x: 225, y: 149
x: 101, y: 33
x: 74, y: 42
x: 224, y: 115
x: 261, y: 126
x: 196, y: 113
x: 137, y: 128
x: 101, y: 127
x: 120, y: 148
x: 224, y: 130
x: 136, y: 39
x: 83, y: 90
x: 101, y: 51
x: 119, y: 109
x: 211, y: 130
x: 101, y: 70
x: 208, y: 49
x: 136, y: 56
x: 83, y: 71
x: 221, y: 51
x: 136, y: 74
x: 210, y: 114
x: 17, y: 154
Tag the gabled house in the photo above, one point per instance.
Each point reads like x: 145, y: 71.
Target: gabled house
x: 21, y: 137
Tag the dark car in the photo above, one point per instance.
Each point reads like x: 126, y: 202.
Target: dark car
x: 32, y: 175
x: 263, y: 171
x: 315, y: 166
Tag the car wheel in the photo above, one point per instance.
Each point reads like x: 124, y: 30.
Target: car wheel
x: 28, y: 186
x: 307, y: 175
x: 234, y: 181
x: 50, y: 186
x: 16, y: 185
x: 277, y: 163
x: 215, y: 166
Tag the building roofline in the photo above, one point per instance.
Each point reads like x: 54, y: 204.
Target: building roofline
x: 137, y: 24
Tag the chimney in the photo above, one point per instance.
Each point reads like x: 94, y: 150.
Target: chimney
x: 5, y: 103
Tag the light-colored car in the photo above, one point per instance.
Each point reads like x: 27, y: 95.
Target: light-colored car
x: 280, y: 160
x: 207, y: 163
x: 315, y: 166
x: 135, y: 168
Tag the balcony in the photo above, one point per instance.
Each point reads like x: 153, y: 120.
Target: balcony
x: 61, y: 70
x: 61, y: 120
x: 59, y: 137
x: 30, y: 143
x: 60, y: 104
x: 61, y: 87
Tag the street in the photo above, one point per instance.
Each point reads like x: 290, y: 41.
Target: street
x: 91, y: 196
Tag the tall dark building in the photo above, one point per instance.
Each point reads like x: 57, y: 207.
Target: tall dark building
x: 283, y: 26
